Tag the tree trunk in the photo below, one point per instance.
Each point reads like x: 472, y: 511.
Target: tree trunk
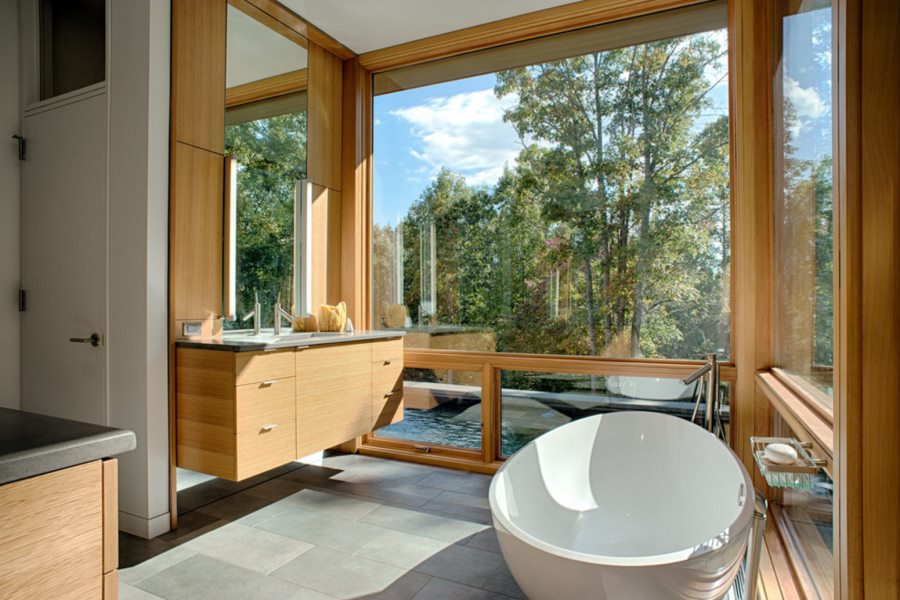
x: 605, y: 266
x: 589, y: 298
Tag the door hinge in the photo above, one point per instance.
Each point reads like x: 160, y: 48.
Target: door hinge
x: 21, y: 142
x: 22, y: 304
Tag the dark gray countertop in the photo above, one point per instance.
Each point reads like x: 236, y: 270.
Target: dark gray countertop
x: 241, y: 342
x: 32, y: 444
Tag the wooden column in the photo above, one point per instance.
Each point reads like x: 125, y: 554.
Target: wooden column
x: 867, y: 378
x: 751, y: 76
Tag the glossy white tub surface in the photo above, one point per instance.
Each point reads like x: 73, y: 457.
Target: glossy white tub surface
x: 632, y: 505
x: 649, y: 388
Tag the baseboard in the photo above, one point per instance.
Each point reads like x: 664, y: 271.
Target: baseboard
x: 143, y: 528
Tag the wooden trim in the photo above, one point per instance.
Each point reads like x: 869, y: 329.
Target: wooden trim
x: 848, y: 231
x: 540, y: 23
x: 288, y: 18
x: 805, y: 422
x: 111, y: 585
x: 782, y: 567
x: 110, y: 515
x: 265, y: 17
x: 438, y: 460
x: 270, y: 87
x: 591, y: 365
x: 814, y: 398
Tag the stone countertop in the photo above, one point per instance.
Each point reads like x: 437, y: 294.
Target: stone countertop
x: 242, y: 342
x: 32, y: 444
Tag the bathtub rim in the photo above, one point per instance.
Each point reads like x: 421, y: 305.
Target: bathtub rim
x: 742, y: 522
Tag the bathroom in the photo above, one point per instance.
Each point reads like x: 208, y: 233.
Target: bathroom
x: 397, y: 300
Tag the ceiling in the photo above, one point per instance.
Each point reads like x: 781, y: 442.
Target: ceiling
x: 366, y: 25
x: 255, y: 52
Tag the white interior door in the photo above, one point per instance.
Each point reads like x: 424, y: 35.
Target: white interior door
x: 64, y: 258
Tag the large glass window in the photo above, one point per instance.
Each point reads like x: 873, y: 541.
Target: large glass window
x: 804, y: 231
x: 567, y: 197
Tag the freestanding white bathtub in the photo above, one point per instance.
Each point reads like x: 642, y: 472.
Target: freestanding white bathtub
x: 630, y: 505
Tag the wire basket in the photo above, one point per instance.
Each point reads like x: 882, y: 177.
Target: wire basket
x: 801, y: 475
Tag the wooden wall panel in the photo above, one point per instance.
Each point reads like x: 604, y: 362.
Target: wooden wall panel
x: 325, y: 77
x: 326, y: 246
x: 751, y: 77
x: 195, y: 244
x: 357, y: 192
x: 198, y: 73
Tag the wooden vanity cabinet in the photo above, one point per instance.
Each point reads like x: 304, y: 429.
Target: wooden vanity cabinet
x: 236, y: 411
x: 243, y: 413
x: 387, y: 383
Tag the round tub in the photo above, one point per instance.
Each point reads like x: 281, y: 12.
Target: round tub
x: 630, y: 505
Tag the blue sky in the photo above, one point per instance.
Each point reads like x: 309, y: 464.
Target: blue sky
x: 459, y: 125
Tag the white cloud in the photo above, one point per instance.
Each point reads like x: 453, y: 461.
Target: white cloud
x: 806, y: 101
x: 465, y: 133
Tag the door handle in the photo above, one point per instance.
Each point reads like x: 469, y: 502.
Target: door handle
x: 94, y: 340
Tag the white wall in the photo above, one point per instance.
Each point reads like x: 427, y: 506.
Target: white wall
x: 9, y: 204
x: 138, y: 87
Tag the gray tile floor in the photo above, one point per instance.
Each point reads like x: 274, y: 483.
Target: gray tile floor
x: 357, y: 527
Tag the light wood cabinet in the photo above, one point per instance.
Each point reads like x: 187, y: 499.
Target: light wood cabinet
x: 387, y: 383
x: 59, y: 534
x: 242, y: 413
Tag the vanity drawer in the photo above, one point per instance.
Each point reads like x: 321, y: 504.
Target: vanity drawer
x: 263, y: 403
x: 387, y: 350
x: 387, y: 393
x: 261, y: 449
x: 253, y: 367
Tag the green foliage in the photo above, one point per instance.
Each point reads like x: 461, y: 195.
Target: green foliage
x: 271, y: 154
x: 611, y: 234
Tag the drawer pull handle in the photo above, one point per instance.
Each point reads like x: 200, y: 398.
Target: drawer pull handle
x: 269, y: 382
x: 270, y: 427
x: 387, y: 362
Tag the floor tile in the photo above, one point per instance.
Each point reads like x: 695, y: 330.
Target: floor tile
x: 503, y: 582
x: 235, y: 506
x: 401, y: 549
x: 190, y: 525
x: 276, y: 489
x: 322, y: 530
x: 134, y: 550
x: 440, y: 589
x: 421, y: 523
x: 338, y: 574
x: 445, y: 505
x: 484, y: 540
x: 154, y: 565
x: 204, y: 578
x: 248, y: 547
x: 407, y: 494
x: 462, y: 564
x: 404, y: 588
x: 466, y: 483
x: 127, y: 592
x: 331, y: 504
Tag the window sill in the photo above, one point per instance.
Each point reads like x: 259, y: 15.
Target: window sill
x: 809, y: 424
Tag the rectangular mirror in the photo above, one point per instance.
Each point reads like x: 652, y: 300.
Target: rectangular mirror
x: 265, y: 149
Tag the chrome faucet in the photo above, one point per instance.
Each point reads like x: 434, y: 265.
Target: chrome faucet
x: 710, y: 374
x: 255, y: 313
x: 280, y: 314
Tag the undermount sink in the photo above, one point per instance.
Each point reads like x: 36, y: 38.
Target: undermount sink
x: 269, y: 337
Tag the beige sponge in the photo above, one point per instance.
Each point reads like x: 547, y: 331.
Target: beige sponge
x: 333, y: 318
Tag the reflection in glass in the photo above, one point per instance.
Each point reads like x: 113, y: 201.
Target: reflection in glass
x: 804, y: 202
x: 533, y: 403
x: 268, y: 139
x: 442, y: 408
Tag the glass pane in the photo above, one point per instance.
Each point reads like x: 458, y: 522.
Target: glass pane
x: 804, y: 201
x: 533, y: 403
x: 442, y: 407
x: 271, y: 156
x: 72, y: 45
x: 578, y: 206
x: 810, y: 520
